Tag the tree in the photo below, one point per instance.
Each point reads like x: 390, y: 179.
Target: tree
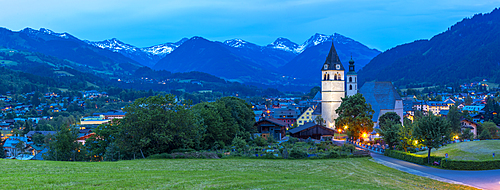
x: 356, y: 114
x: 63, y: 146
x: 319, y: 120
x: 225, y: 119
x: 97, y: 144
x: 467, y: 134
x: 389, y: 118
x: 432, y: 131
x: 37, y: 138
x: 405, y: 135
x: 468, y: 100
x: 2, y: 151
x: 454, y: 116
x: 20, y: 147
x: 155, y: 125
x: 491, y: 128
x: 27, y: 127
x: 390, y: 132
x: 485, y: 134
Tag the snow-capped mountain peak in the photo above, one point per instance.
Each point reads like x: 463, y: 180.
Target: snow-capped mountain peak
x: 31, y: 31
x: 114, y: 45
x: 284, y: 44
x: 163, y: 49
x: 236, y: 43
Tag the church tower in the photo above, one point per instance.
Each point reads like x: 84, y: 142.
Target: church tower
x: 351, y: 80
x: 332, y: 87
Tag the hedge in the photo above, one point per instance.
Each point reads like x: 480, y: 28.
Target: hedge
x: 415, y: 158
x: 470, y: 164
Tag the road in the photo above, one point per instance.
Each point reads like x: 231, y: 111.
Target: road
x: 485, y: 179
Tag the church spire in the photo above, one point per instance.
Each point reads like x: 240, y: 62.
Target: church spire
x: 333, y: 60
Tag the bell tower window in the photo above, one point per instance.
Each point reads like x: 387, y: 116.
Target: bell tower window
x: 350, y: 79
x: 325, y: 66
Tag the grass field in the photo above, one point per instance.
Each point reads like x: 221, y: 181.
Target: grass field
x: 474, y: 150
x: 355, y: 173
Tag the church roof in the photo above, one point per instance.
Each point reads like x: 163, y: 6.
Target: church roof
x: 381, y: 95
x: 317, y: 96
x: 333, y: 60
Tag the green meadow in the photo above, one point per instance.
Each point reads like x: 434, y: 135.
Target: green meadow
x: 473, y: 150
x: 354, y: 173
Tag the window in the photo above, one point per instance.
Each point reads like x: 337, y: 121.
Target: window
x: 350, y: 80
x: 327, y: 76
x: 307, y: 117
x: 335, y: 77
x: 350, y: 87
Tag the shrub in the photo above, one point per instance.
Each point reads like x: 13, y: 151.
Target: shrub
x: 348, y: 148
x: 470, y: 164
x: 182, y: 150
x: 292, y: 140
x: 161, y: 156
x: 297, y: 154
x: 333, y: 154
x: 415, y: 158
x: 259, y: 141
x: 180, y: 156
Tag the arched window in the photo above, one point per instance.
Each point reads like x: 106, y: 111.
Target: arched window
x: 350, y: 87
x: 334, y: 76
x: 324, y: 77
x: 350, y: 79
x: 327, y: 76
x: 354, y: 79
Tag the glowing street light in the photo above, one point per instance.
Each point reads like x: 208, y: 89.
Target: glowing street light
x: 365, y: 135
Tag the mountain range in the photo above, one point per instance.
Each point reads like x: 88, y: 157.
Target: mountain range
x: 468, y: 51
x: 281, y: 62
x: 67, y: 47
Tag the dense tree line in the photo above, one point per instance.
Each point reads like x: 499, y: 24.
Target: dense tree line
x: 160, y: 124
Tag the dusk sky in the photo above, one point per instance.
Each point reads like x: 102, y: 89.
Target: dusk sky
x: 380, y: 24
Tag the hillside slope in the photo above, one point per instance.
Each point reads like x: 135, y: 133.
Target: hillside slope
x: 469, y: 50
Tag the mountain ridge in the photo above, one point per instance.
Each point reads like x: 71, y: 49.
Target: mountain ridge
x: 467, y: 51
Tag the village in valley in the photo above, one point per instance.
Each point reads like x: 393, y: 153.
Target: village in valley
x: 329, y: 113
x: 306, y: 118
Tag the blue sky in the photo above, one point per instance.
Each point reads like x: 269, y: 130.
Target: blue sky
x: 380, y: 24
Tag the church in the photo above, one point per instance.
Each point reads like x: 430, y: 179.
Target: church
x: 336, y: 84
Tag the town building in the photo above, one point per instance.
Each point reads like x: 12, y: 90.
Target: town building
x: 306, y: 116
x: 267, y: 127
x: 312, y: 130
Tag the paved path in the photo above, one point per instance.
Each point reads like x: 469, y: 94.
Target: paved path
x: 486, y: 179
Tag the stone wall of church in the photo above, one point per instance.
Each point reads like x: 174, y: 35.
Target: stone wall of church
x: 332, y: 93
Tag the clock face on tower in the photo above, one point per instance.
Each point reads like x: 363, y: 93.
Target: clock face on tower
x: 326, y: 66
x: 338, y: 66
